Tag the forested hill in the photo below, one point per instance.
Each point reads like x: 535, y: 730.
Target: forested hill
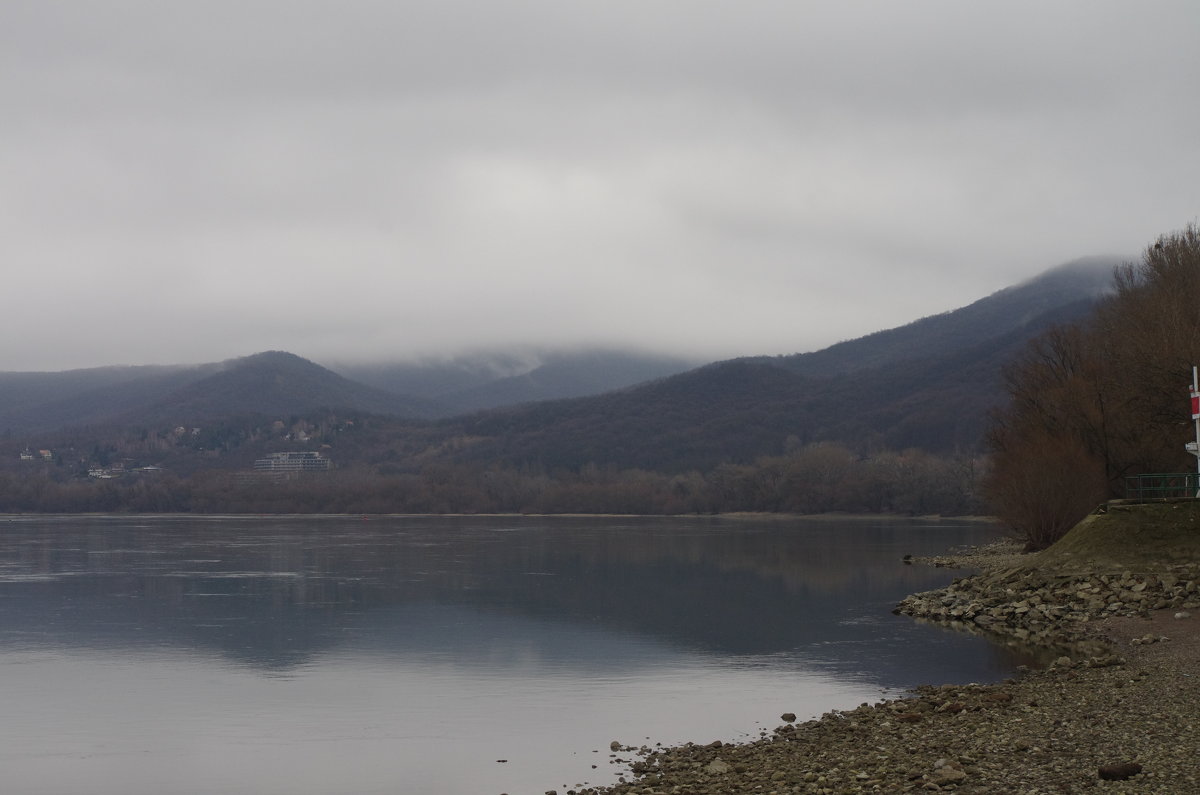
x: 1009, y: 310
x: 275, y: 384
x: 278, y: 383
x: 32, y: 403
x: 904, y: 409
x: 271, y: 383
x: 928, y: 385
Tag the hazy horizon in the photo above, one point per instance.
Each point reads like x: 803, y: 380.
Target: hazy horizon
x: 520, y: 358
x: 193, y: 183
x: 515, y: 358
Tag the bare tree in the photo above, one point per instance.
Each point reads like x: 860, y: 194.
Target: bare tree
x: 1096, y: 401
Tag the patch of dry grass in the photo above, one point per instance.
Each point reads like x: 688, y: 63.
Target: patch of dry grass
x: 1125, y: 536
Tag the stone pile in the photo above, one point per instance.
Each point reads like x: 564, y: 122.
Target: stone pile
x: 1036, y: 607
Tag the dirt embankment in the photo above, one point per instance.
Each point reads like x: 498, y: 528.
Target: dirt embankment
x: 1116, y: 712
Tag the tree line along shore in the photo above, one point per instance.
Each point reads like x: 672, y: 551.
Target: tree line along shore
x: 819, y: 478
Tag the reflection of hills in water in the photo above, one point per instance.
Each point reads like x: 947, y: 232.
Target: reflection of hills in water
x: 273, y: 593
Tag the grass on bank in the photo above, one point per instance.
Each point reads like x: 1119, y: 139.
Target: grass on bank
x: 1126, y: 536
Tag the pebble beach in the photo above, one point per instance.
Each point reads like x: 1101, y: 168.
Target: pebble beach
x: 1118, y: 709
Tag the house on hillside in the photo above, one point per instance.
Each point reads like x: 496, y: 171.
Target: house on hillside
x: 299, y: 461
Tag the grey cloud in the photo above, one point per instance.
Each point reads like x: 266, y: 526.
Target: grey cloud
x: 197, y: 181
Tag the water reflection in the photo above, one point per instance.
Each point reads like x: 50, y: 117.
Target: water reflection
x: 406, y: 641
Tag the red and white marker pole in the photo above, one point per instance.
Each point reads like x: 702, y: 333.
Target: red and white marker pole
x: 1194, y: 447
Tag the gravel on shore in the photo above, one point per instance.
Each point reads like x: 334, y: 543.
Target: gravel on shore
x: 1116, y: 712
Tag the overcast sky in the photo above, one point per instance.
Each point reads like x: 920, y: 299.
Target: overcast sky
x: 193, y: 181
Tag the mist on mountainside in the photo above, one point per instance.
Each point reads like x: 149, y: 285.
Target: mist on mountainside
x: 281, y: 383
x: 489, y: 379
x: 893, y: 421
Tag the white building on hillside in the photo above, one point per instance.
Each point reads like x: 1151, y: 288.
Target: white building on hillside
x: 303, y: 461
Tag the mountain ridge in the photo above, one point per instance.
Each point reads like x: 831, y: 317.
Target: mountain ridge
x: 32, y: 402
x: 1086, y: 277
x: 273, y: 383
x: 928, y: 384
x: 932, y: 388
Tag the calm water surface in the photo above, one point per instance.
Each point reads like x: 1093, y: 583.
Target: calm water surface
x: 410, y: 655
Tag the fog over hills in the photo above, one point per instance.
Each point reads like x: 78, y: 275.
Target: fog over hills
x: 280, y: 383
x: 927, y: 384
x: 1007, y: 310
x: 484, y: 380
x: 392, y: 180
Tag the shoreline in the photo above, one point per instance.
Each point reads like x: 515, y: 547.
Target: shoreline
x: 1115, y: 712
x: 357, y: 515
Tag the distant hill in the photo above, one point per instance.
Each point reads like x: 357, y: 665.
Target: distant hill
x: 480, y: 381
x: 274, y: 383
x: 1009, y: 310
x: 282, y: 383
x: 929, y: 384
x: 267, y: 383
x: 39, y: 402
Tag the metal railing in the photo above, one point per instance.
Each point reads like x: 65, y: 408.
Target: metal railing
x: 1162, y: 486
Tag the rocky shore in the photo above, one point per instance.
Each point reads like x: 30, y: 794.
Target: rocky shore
x: 1117, y: 710
x: 1033, y: 605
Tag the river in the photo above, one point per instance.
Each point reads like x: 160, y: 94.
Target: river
x: 299, y: 655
